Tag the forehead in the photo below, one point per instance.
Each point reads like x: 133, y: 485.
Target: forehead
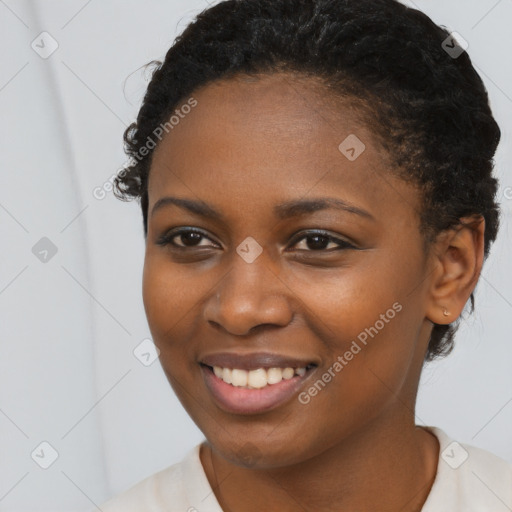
x: 275, y: 136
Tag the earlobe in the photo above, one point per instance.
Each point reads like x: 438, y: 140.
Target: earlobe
x: 458, y: 255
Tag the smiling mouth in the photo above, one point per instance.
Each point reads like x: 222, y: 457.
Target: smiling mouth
x: 259, y: 378
x: 255, y: 391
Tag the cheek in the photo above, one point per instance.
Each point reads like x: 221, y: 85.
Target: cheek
x: 359, y: 383
x: 370, y: 295
x: 168, y: 295
x: 369, y: 323
x: 174, y: 296
x: 167, y: 300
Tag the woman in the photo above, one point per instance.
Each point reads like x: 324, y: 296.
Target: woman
x: 316, y: 186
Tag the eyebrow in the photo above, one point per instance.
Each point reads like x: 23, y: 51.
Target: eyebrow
x: 282, y: 211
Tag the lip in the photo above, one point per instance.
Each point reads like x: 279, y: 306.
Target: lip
x: 255, y: 360
x: 239, y: 400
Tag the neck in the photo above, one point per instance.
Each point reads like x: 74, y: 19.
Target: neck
x: 389, y: 466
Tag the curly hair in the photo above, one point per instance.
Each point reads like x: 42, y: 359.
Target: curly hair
x: 429, y: 108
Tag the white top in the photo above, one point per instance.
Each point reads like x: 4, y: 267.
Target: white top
x: 468, y: 479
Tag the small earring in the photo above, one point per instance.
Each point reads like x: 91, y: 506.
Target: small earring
x: 445, y: 312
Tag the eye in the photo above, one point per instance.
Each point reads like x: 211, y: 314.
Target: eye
x: 317, y: 241
x: 189, y: 238
x: 314, y: 241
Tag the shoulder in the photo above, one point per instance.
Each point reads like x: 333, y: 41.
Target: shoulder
x: 488, y: 475
x: 469, y: 478
x: 171, y: 486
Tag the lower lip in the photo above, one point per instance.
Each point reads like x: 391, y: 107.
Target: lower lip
x: 240, y: 400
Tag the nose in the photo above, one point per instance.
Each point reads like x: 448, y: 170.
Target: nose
x: 249, y: 296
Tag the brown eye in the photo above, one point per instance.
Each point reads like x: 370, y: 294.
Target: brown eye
x: 188, y: 237
x: 316, y: 241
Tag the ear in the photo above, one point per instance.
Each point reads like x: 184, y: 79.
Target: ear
x: 457, y: 258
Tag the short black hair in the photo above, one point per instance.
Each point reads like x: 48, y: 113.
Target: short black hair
x: 429, y: 106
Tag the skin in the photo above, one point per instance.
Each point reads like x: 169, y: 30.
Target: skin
x: 249, y: 145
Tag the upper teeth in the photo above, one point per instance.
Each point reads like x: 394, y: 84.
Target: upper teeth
x: 256, y: 378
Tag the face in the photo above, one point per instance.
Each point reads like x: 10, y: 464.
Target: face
x: 282, y: 250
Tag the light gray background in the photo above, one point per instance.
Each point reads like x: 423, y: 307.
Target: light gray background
x: 69, y: 326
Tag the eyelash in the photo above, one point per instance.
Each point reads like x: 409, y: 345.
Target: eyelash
x: 166, y: 240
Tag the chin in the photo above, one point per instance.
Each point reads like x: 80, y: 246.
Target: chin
x: 263, y: 451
